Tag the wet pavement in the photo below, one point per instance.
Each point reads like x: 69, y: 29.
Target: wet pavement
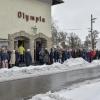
x: 29, y: 86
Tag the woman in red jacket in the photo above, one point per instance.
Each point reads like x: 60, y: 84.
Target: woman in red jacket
x: 92, y: 54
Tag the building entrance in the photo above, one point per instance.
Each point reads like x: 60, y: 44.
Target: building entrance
x: 39, y: 43
x: 21, y: 41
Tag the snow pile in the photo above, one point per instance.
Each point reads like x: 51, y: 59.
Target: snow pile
x: 36, y: 70
x: 76, y: 63
x: 73, y: 63
x: 49, y: 96
x: 87, y: 91
x: 96, y: 62
x: 83, y: 92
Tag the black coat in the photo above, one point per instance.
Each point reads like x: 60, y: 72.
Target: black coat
x: 28, y: 58
x: 0, y: 56
x: 56, y: 55
x: 51, y: 55
x: 17, y: 57
x: 4, y: 56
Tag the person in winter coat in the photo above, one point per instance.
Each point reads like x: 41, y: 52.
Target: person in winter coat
x: 89, y: 56
x: 13, y: 59
x: 0, y: 58
x: 73, y: 53
x: 21, y: 51
x: 84, y: 54
x: 79, y: 53
x: 17, y: 58
x: 4, y: 58
x: 51, y: 56
x: 28, y: 57
x: 98, y: 54
x: 41, y: 56
x: 59, y: 55
x: 46, y: 56
x: 93, y: 54
x: 9, y: 57
x: 69, y: 54
x: 64, y: 55
x: 56, y: 55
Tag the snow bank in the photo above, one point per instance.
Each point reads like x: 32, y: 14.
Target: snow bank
x: 87, y: 91
x: 17, y: 71
x: 49, y: 96
x: 96, y: 62
x: 67, y: 65
x: 76, y: 61
x: 83, y: 92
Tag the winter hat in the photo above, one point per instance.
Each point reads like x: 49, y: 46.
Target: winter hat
x: 28, y: 49
x: 46, y: 49
x: 13, y: 51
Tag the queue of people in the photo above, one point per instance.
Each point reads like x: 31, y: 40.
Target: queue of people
x: 60, y: 55
x: 12, y: 58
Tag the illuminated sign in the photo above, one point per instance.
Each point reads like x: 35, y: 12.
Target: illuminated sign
x: 22, y: 15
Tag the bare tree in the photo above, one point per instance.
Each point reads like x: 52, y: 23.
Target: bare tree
x: 94, y: 38
x: 87, y: 42
x: 54, y: 33
x: 74, y: 41
x: 57, y: 37
x: 62, y: 36
x: 91, y: 41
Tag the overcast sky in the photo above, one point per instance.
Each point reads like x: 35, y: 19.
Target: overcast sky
x: 76, y: 14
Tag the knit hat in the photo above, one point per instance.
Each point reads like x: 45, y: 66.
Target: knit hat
x: 28, y: 49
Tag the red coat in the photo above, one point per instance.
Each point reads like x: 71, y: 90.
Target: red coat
x: 92, y: 54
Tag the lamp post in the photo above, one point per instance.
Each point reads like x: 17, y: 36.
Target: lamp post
x: 34, y: 29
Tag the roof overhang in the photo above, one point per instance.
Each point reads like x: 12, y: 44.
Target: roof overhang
x: 55, y: 2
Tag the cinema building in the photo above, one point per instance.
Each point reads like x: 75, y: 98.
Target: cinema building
x: 26, y: 22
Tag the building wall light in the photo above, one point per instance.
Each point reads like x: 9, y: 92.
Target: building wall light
x: 34, y: 29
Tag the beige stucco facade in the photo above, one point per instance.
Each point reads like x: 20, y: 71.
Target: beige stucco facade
x: 10, y: 23
x: 19, y: 17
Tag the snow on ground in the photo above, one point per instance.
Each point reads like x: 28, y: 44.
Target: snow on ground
x: 83, y: 91
x: 70, y: 64
x: 76, y: 61
x: 96, y: 62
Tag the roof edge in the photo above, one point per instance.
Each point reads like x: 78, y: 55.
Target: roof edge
x: 55, y: 2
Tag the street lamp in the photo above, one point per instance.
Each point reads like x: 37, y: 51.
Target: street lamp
x: 34, y: 29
